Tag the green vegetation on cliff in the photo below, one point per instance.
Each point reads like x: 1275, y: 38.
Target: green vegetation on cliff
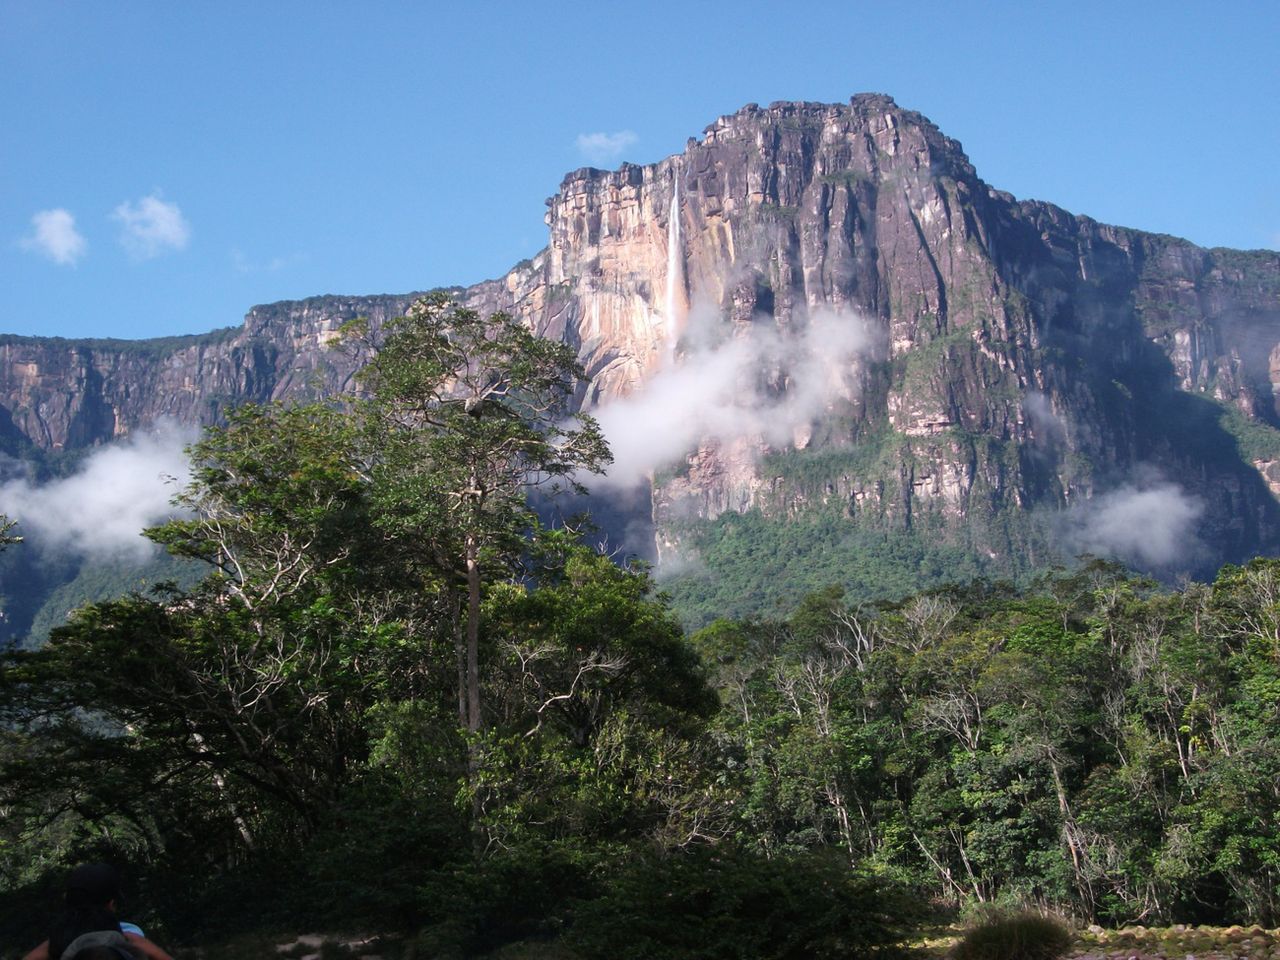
x: 39, y: 590
x: 1256, y: 439
x: 839, y: 519
x: 750, y: 565
x: 153, y: 347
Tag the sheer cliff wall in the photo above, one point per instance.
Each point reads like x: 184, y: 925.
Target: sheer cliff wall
x: 1021, y: 356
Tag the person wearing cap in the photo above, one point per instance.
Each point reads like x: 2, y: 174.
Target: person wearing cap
x: 88, y: 924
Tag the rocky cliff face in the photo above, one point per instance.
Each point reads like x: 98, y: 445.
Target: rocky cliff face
x: 1016, y: 356
x: 1024, y: 356
x: 58, y: 394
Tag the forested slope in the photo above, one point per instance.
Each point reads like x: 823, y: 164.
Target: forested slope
x: 399, y: 700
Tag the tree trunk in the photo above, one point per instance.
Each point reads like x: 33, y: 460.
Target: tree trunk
x: 459, y: 656
x: 836, y: 799
x: 1084, y: 886
x: 220, y: 785
x: 473, y: 636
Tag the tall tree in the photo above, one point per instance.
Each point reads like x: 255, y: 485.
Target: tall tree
x: 468, y: 414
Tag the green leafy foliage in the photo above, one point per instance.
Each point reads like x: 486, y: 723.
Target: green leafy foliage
x: 1257, y: 439
x: 762, y: 565
x: 465, y: 415
x: 520, y: 894
x: 394, y: 699
x: 267, y: 743
x: 1087, y: 741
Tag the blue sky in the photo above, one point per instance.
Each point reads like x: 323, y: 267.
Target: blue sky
x: 165, y: 166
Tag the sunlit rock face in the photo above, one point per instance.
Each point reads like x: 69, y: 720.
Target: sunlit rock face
x: 1012, y: 356
x: 1019, y: 355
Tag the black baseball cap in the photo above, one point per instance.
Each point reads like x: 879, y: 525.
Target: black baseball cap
x: 93, y: 885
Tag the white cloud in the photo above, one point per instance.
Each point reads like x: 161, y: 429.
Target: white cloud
x: 151, y: 227
x: 759, y: 387
x: 1150, y: 522
x: 605, y: 148
x: 100, y: 511
x: 55, y: 236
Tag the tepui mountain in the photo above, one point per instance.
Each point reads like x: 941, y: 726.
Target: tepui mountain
x: 1012, y: 364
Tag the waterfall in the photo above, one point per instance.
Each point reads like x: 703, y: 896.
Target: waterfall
x: 675, y: 274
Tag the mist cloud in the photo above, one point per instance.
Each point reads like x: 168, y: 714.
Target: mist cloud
x: 100, y: 511
x: 1047, y: 428
x: 730, y: 391
x: 1150, y: 523
x: 54, y: 235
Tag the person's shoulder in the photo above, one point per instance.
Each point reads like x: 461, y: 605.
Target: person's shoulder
x: 131, y: 928
x: 152, y: 951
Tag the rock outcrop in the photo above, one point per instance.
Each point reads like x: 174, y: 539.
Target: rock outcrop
x: 1020, y: 356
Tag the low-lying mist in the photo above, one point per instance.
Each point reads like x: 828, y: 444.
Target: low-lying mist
x: 100, y: 511
x: 1148, y: 522
x: 758, y: 383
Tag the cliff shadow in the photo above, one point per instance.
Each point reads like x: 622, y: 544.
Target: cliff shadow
x: 616, y: 521
x: 1200, y: 445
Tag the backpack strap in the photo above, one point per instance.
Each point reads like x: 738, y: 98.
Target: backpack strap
x: 97, y: 938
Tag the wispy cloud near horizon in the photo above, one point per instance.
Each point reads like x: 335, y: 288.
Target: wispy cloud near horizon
x: 605, y: 148
x: 54, y: 236
x: 151, y: 226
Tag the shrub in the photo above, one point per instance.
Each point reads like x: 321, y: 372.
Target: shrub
x: 725, y: 905
x: 1022, y: 936
x: 521, y: 894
